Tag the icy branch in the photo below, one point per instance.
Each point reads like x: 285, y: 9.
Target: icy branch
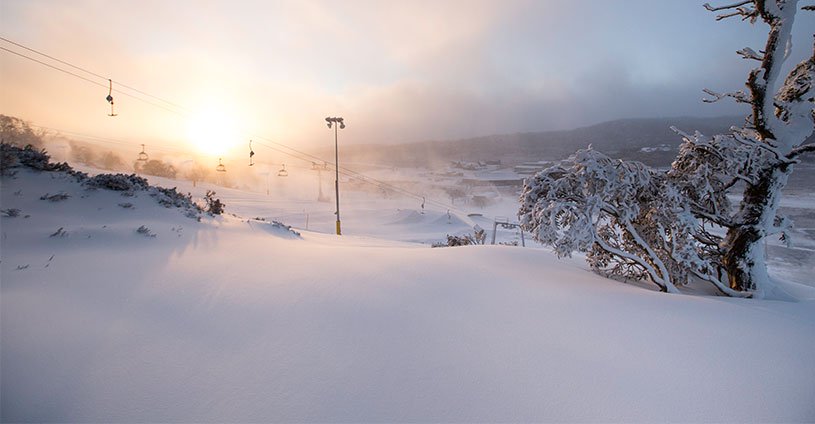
x: 721, y: 286
x: 729, y: 6
x: 748, y: 53
x: 716, y: 219
x: 739, y: 96
x: 806, y: 148
x: 664, y: 284
x: 746, y: 12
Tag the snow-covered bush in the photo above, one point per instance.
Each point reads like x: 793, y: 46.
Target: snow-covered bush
x: 145, y: 231
x: 13, y: 156
x: 18, y: 132
x: 117, y: 182
x: 281, y: 226
x: 213, y: 206
x: 16, y: 157
x: 594, y: 204
x: 10, y: 212
x: 631, y: 221
x: 55, y: 197
x: 479, y: 236
x: 170, y: 197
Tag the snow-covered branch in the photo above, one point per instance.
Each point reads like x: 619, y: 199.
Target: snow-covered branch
x: 728, y: 6
x: 739, y: 9
x: 739, y: 96
x: 800, y: 150
x: 748, y: 53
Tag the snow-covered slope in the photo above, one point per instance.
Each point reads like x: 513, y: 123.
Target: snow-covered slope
x: 235, y: 319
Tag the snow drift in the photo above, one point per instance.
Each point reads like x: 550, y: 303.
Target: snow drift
x: 234, y: 319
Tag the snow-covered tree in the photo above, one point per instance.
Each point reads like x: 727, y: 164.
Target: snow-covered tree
x: 630, y: 220
x: 17, y: 132
x: 639, y: 223
x: 761, y: 154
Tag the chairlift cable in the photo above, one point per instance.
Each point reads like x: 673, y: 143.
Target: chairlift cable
x: 91, y: 81
x: 88, y: 72
x: 297, y: 153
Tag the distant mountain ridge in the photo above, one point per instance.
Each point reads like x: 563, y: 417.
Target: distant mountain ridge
x: 646, y: 139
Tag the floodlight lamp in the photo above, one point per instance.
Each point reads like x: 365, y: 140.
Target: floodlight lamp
x: 342, y: 125
x: 327, y: 119
x: 329, y: 125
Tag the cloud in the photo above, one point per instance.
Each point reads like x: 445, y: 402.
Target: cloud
x: 398, y: 71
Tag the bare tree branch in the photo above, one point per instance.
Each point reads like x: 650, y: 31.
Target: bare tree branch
x: 738, y: 96
x: 746, y: 12
x: 798, y: 151
x: 729, y: 6
x: 749, y: 53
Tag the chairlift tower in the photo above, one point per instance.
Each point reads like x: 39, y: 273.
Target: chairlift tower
x: 505, y: 224
x: 320, y: 168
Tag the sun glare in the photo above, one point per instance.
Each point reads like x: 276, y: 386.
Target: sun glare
x: 213, y: 132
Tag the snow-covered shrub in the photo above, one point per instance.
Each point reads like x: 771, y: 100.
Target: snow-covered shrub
x: 170, y: 197
x: 59, y: 233
x: 284, y: 227
x: 213, y: 206
x: 631, y: 221
x: 13, y: 156
x: 10, y: 212
x: 117, y: 182
x: 18, y: 132
x: 145, y: 231
x: 479, y: 236
x: 55, y: 197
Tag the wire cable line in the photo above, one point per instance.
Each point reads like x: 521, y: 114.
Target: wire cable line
x: 182, y: 111
x: 79, y: 68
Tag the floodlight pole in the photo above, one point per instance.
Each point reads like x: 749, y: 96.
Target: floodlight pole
x: 337, y: 124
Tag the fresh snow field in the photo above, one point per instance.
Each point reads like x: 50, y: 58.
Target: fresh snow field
x: 238, y: 319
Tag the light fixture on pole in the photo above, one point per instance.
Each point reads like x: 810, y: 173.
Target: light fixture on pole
x: 338, y: 124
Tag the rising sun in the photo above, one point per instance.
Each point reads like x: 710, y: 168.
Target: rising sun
x: 213, y: 132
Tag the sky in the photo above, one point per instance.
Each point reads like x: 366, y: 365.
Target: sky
x: 397, y: 71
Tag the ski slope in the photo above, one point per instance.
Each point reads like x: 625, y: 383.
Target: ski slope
x: 237, y: 319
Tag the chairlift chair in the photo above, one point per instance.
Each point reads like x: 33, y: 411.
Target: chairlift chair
x: 109, y: 98
x: 283, y: 172
x: 251, y: 153
x: 220, y: 167
x: 142, y: 155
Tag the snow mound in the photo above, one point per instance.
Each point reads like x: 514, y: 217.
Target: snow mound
x: 275, y: 228
x: 451, y: 219
x: 407, y: 216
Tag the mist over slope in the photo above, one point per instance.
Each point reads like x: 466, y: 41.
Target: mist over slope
x: 624, y: 138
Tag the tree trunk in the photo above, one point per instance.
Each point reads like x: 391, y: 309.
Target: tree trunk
x: 744, y: 257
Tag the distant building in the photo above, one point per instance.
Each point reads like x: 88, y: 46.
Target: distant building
x: 531, y: 168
